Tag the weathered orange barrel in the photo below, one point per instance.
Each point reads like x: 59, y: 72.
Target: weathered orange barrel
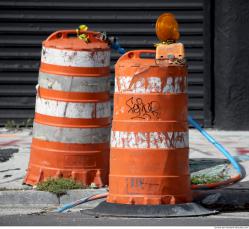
x: 72, y: 116
x: 149, y: 137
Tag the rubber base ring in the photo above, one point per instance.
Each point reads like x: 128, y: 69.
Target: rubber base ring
x: 148, y: 211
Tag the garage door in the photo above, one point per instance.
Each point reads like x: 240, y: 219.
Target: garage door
x: 24, y: 24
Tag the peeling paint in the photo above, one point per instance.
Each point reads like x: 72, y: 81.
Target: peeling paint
x: 72, y: 110
x: 78, y: 84
x: 71, y: 135
x: 149, y: 140
x: 153, y: 84
x: 75, y: 58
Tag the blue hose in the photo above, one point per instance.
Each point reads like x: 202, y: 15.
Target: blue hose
x: 216, y: 144
x: 115, y: 45
x: 71, y: 205
x: 80, y: 201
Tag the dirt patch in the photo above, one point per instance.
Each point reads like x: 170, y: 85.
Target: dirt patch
x: 6, y: 154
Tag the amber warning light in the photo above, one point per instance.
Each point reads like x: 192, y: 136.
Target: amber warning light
x: 167, y: 28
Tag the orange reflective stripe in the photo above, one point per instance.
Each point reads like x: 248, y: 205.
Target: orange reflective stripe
x: 153, y: 156
x: 148, y: 71
x: 75, y: 71
x: 51, y: 146
x: 73, y: 96
x: 145, y: 126
x: 71, y: 122
x: 150, y: 107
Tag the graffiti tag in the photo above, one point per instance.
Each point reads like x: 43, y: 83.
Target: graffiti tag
x: 141, y: 110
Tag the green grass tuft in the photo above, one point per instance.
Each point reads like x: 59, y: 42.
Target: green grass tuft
x: 207, y: 179
x: 58, y: 186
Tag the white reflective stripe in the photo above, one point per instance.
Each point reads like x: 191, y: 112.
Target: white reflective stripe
x: 103, y: 109
x: 72, y: 58
x: 149, y: 140
x: 76, y: 84
x: 153, y: 84
x: 71, y: 135
x: 72, y: 110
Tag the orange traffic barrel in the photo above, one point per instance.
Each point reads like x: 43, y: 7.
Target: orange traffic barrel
x: 72, y: 115
x: 149, y: 137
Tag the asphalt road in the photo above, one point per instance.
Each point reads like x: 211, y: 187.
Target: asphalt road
x: 77, y: 219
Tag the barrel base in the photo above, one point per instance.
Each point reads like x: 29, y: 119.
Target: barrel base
x: 36, y: 174
x: 145, y: 199
x: 105, y: 209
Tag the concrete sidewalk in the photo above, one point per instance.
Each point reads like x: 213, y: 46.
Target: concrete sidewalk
x: 14, y: 158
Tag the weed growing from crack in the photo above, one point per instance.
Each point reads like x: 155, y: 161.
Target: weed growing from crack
x: 207, y: 179
x: 58, y: 186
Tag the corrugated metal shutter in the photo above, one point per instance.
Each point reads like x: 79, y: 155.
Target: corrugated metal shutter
x: 24, y: 24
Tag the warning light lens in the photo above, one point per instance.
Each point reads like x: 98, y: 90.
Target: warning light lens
x: 167, y: 27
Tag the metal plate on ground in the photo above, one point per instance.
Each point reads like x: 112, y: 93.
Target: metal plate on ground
x: 148, y: 211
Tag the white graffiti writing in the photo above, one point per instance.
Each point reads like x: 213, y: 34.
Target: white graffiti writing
x: 171, y: 85
x: 152, y: 140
